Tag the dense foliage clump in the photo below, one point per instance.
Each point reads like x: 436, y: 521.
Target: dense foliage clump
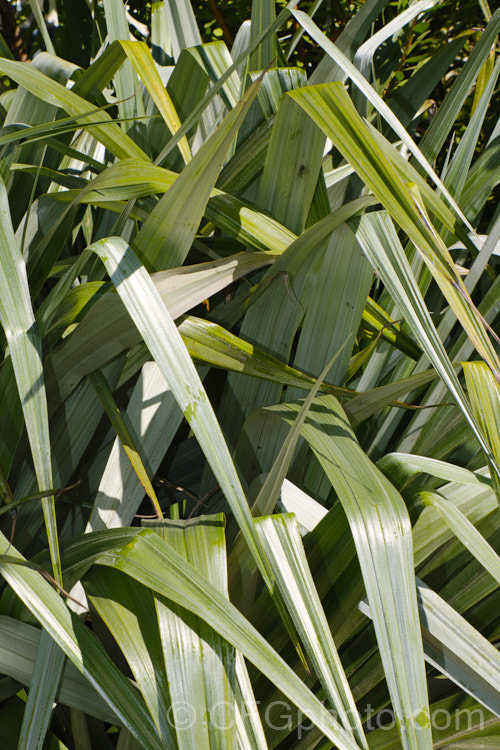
x: 249, y: 375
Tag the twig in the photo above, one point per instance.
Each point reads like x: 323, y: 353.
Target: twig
x: 59, y: 587
x: 228, y: 37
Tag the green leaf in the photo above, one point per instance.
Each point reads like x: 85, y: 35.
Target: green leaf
x: 35, y: 8
x: 151, y: 561
x: 484, y: 393
x: 331, y: 108
x: 382, y: 534
x: 210, y: 343
x: 425, y: 434
x: 167, y: 234
x: 72, y: 429
x: 200, y: 663
x: 292, y: 166
x: 457, y: 171
x: 214, y: 90
x: 368, y: 403
x: 45, y: 680
x: 18, y: 322
x: 214, y: 59
x: 464, y: 530
x: 349, y: 41
x: 364, y: 57
x: 372, y: 96
x: 333, y: 315
x: 154, y: 413
x: 449, y: 110
x: 408, y: 99
x: 5, y: 50
x: 263, y: 15
x: 140, y: 57
x: 307, y: 511
x: 101, y: 387
x: 249, y: 725
x: 182, y: 25
x: 79, y: 644
x: 130, y: 103
x: 273, y: 320
x: 483, y: 176
x: 160, y: 37
x: 459, y: 723
x: 107, y: 330
x: 40, y: 85
x: 381, y: 244
x: 269, y: 493
x: 400, y: 468
x: 18, y: 655
x: 379, y: 321
x: 132, y: 178
x: 284, y: 548
x: 128, y: 610
x: 457, y: 649
x: 160, y: 334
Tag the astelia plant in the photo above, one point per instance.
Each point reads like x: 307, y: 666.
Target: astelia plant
x: 250, y: 406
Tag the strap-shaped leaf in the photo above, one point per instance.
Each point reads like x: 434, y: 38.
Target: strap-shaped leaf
x: 45, y: 680
x: 381, y: 244
x: 457, y: 649
x: 164, y: 341
x: 445, y: 118
x: 23, y: 338
x: 103, y: 391
x: 274, y: 319
x: 210, y: 343
x: 459, y: 723
x: 195, y: 114
x: 131, y: 178
x: 282, y: 542
x: 128, y: 610
x: 182, y: 26
x: 349, y: 41
x: 363, y: 60
x: 154, y: 413
x: 200, y: 664
x: 464, y: 530
x: 142, y: 61
x: 263, y: 14
x: 107, y: 330
x: 269, y: 494
x: 130, y: 102
x: 79, y: 644
x: 372, y: 96
x: 149, y: 560
x: 42, y: 27
x: 100, y: 123
x: 366, y: 404
x: 331, y: 108
x: 381, y: 529
x: 484, y: 393
x: 167, y: 234
x: 400, y: 468
x: 292, y: 166
x: 248, y: 722
x: 18, y: 654
x: 457, y: 171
